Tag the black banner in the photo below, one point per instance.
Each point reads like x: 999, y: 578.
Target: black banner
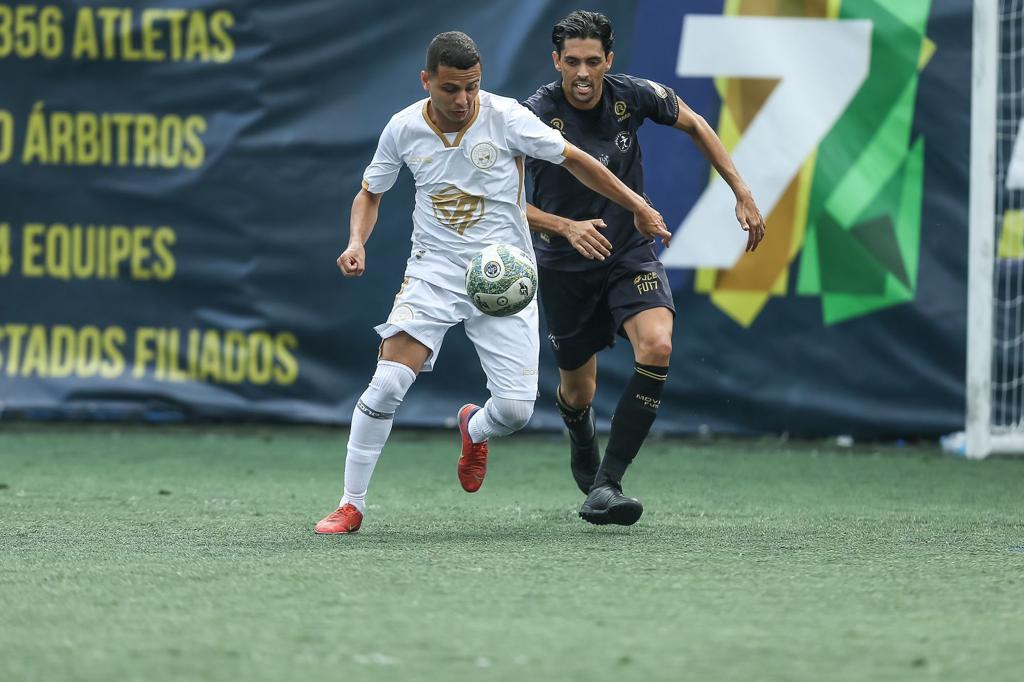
x: 175, y: 183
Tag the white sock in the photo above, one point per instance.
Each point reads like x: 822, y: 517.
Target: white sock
x: 500, y: 417
x: 371, y: 424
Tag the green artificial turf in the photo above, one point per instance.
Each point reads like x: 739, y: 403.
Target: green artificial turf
x: 179, y: 553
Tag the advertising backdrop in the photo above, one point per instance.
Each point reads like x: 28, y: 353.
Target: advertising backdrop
x: 175, y: 180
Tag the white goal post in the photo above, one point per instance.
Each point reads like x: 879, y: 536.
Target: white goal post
x: 995, y: 301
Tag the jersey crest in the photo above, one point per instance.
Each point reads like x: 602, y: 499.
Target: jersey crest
x: 483, y: 155
x: 624, y: 141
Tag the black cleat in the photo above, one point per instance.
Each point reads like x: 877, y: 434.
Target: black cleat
x: 585, y: 456
x: 606, y: 504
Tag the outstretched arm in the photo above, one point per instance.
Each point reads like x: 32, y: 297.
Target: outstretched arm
x: 591, y: 173
x: 352, y: 261
x: 704, y: 136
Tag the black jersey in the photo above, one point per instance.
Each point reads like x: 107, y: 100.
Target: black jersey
x: 608, y: 133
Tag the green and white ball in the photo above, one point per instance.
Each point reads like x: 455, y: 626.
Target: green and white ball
x: 501, y: 280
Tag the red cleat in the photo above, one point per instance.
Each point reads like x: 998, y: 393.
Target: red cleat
x: 473, y: 461
x: 342, y: 520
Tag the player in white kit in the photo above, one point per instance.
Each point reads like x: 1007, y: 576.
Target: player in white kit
x: 465, y: 148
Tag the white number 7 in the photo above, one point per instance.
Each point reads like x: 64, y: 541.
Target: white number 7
x: 821, y: 65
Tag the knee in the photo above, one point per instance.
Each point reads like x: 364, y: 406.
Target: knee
x: 387, y: 387
x: 654, y: 350
x: 578, y: 394
x: 512, y: 414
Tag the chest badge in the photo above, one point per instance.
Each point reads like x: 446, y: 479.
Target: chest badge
x: 558, y: 124
x: 624, y: 141
x: 483, y: 155
x: 621, y: 111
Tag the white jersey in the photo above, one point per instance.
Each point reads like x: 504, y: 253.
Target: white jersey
x: 469, y: 184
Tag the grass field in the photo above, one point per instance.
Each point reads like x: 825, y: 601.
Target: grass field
x: 176, y: 553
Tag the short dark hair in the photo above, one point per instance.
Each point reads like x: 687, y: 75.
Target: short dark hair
x: 584, y: 25
x: 454, y: 49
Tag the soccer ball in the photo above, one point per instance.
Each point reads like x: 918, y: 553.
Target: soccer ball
x: 501, y: 280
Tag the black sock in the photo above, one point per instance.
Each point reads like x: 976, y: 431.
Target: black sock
x: 577, y: 419
x: 631, y: 422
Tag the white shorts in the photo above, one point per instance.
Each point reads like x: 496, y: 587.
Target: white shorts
x: 508, y: 347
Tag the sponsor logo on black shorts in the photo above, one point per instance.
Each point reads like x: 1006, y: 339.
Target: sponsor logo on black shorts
x: 553, y: 340
x: 646, y: 282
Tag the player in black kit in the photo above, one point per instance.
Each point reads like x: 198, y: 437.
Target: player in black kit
x: 598, y: 274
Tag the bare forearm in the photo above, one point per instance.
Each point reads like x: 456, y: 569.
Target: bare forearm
x: 596, y: 177
x: 545, y: 223
x: 710, y: 145
x: 363, y: 217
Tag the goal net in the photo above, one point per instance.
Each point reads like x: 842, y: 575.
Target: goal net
x: 995, y: 344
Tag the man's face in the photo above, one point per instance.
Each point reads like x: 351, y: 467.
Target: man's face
x: 453, y: 92
x: 583, y: 65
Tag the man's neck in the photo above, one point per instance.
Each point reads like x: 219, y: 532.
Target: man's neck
x: 443, y: 124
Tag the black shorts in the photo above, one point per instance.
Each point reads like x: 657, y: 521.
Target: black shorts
x: 585, y: 309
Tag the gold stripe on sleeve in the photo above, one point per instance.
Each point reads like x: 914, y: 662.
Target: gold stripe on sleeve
x: 520, y: 197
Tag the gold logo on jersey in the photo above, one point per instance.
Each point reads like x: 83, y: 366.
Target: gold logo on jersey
x: 658, y: 89
x: 558, y: 124
x: 456, y: 209
x: 621, y: 112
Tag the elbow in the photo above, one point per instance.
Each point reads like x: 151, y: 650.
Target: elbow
x: 366, y: 195
x: 701, y: 127
x: 693, y: 124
